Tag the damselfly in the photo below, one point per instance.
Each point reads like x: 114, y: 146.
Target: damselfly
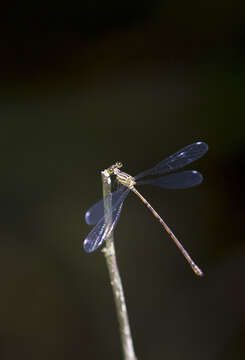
x: 181, y: 180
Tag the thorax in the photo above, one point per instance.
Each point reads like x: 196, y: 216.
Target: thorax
x: 124, y: 178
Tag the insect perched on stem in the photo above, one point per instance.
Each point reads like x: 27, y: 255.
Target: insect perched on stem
x: 181, y: 180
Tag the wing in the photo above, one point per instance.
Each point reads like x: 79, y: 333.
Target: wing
x: 180, y: 180
x: 101, y: 231
x: 96, y: 212
x: 178, y: 160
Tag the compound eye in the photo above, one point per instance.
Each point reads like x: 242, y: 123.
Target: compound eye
x: 110, y: 170
x: 119, y: 164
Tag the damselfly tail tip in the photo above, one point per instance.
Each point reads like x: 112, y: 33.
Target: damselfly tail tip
x: 197, y: 270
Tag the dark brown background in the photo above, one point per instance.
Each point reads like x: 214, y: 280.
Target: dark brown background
x: 134, y: 83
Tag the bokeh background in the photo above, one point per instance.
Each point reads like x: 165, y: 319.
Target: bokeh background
x: 134, y: 82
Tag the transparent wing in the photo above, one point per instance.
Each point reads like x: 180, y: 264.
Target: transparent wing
x: 96, y: 212
x: 100, y: 232
x: 178, y: 160
x: 180, y: 180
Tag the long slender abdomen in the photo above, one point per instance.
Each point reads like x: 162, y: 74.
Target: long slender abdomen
x: 194, y: 267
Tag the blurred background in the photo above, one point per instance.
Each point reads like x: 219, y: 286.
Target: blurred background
x: 132, y: 82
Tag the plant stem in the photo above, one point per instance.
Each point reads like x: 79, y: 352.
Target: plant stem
x: 115, y: 279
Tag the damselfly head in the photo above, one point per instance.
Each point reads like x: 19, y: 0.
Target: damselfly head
x: 112, y: 168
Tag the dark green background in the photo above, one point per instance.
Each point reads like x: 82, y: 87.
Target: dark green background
x: 132, y: 82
